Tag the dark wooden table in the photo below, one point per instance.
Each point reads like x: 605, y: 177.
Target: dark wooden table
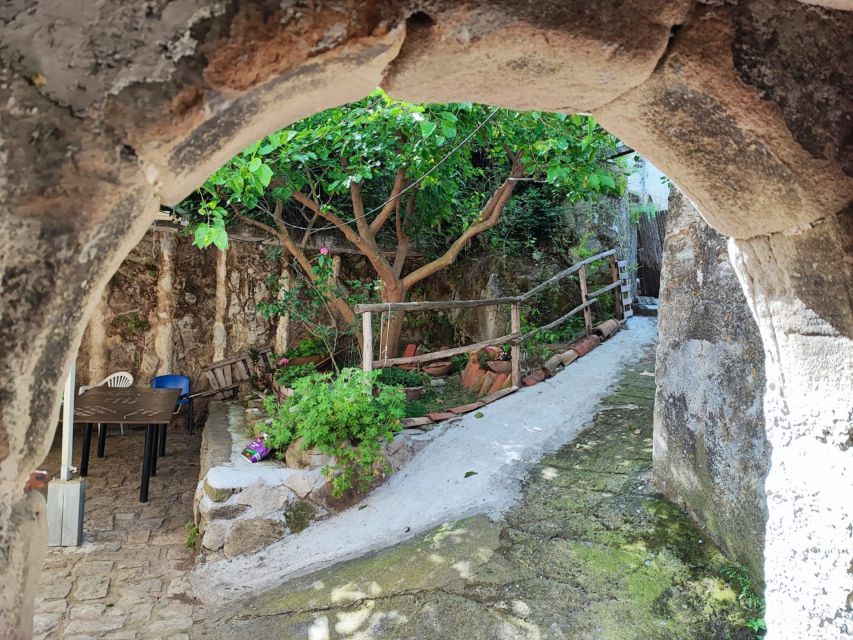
x: 133, y: 405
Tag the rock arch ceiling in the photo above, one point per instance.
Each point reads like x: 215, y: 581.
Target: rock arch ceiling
x: 112, y: 108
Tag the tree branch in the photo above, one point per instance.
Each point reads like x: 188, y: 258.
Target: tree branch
x: 403, y: 240
x: 390, y: 205
x: 305, y: 264
x: 489, y: 217
x: 366, y: 245
x: 255, y: 223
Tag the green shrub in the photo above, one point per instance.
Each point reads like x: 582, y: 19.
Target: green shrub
x: 307, y: 347
x: 286, y: 375
x: 395, y: 376
x: 347, y: 417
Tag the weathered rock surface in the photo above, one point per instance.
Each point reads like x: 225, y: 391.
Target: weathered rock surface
x: 711, y: 452
x: 112, y: 108
x: 248, y: 535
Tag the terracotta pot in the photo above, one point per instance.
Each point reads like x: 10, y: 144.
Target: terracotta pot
x: 500, y: 366
x: 307, y: 359
x: 606, y: 328
x: 440, y: 368
x: 585, y: 345
x: 413, y: 393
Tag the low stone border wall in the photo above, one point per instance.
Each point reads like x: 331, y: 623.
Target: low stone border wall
x: 240, y: 507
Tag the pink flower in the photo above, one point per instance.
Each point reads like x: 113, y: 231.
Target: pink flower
x: 283, y: 361
x: 324, y: 251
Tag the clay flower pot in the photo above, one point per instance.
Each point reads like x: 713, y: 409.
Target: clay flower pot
x: 440, y: 368
x: 606, y: 328
x: 499, y: 366
x: 585, y: 345
x: 413, y: 393
x: 316, y: 359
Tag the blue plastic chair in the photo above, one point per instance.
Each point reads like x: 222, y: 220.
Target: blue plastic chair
x: 182, y: 383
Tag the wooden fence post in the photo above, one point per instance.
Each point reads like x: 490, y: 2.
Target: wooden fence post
x: 515, y: 327
x: 587, y: 314
x: 617, y: 292
x: 367, y: 341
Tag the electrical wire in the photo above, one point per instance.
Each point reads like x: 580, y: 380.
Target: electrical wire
x: 409, y: 187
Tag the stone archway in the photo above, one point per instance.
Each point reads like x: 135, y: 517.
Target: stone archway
x: 110, y: 110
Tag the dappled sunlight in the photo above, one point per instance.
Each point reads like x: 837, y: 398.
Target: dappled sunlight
x: 347, y: 593
x: 549, y: 473
x: 464, y: 569
x: 515, y: 629
x: 446, y: 533
x: 319, y: 629
x: 349, y: 621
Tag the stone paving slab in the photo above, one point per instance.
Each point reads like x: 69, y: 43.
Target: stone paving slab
x: 128, y: 581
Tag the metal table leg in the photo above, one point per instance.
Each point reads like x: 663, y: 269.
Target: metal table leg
x: 154, y: 438
x: 102, y: 439
x: 84, y: 453
x: 147, y: 456
x: 162, y: 433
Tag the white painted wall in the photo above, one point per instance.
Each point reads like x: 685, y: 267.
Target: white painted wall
x: 648, y: 182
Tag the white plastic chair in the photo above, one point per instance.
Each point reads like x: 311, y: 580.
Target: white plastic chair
x: 117, y: 380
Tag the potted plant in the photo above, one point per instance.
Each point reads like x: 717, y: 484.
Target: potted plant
x: 413, y: 383
x: 287, y: 373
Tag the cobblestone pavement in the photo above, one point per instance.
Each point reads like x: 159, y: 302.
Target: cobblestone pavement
x: 129, y: 579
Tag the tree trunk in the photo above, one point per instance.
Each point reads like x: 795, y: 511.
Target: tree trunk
x: 391, y: 330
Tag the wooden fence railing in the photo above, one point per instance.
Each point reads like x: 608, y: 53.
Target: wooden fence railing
x: 515, y: 337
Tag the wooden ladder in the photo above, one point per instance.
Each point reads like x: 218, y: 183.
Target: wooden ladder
x: 627, y: 311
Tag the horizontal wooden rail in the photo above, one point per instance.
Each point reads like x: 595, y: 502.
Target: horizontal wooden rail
x: 515, y: 338
x: 439, y: 305
x: 438, y: 355
x: 563, y: 274
x: 556, y: 322
x: 604, y: 290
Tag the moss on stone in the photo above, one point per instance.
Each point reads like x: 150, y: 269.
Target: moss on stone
x: 298, y: 516
x: 220, y: 494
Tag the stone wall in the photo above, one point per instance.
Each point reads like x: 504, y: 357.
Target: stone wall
x: 172, y: 308
x: 240, y: 507
x: 710, y: 450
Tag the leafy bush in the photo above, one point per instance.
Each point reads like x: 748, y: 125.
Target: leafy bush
x: 307, y: 347
x: 397, y: 377
x: 286, y: 375
x: 346, y: 417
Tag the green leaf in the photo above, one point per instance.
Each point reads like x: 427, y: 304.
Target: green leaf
x: 202, y: 232
x: 608, y: 181
x: 427, y: 128
x: 265, y: 174
x: 254, y: 164
x: 468, y: 474
x: 220, y: 239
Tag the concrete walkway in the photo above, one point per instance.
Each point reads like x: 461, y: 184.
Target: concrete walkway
x: 589, y: 550
x: 498, y: 447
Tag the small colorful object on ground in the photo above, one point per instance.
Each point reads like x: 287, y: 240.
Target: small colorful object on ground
x: 256, y: 450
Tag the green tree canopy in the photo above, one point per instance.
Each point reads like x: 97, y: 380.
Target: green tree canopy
x: 443, y: 172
